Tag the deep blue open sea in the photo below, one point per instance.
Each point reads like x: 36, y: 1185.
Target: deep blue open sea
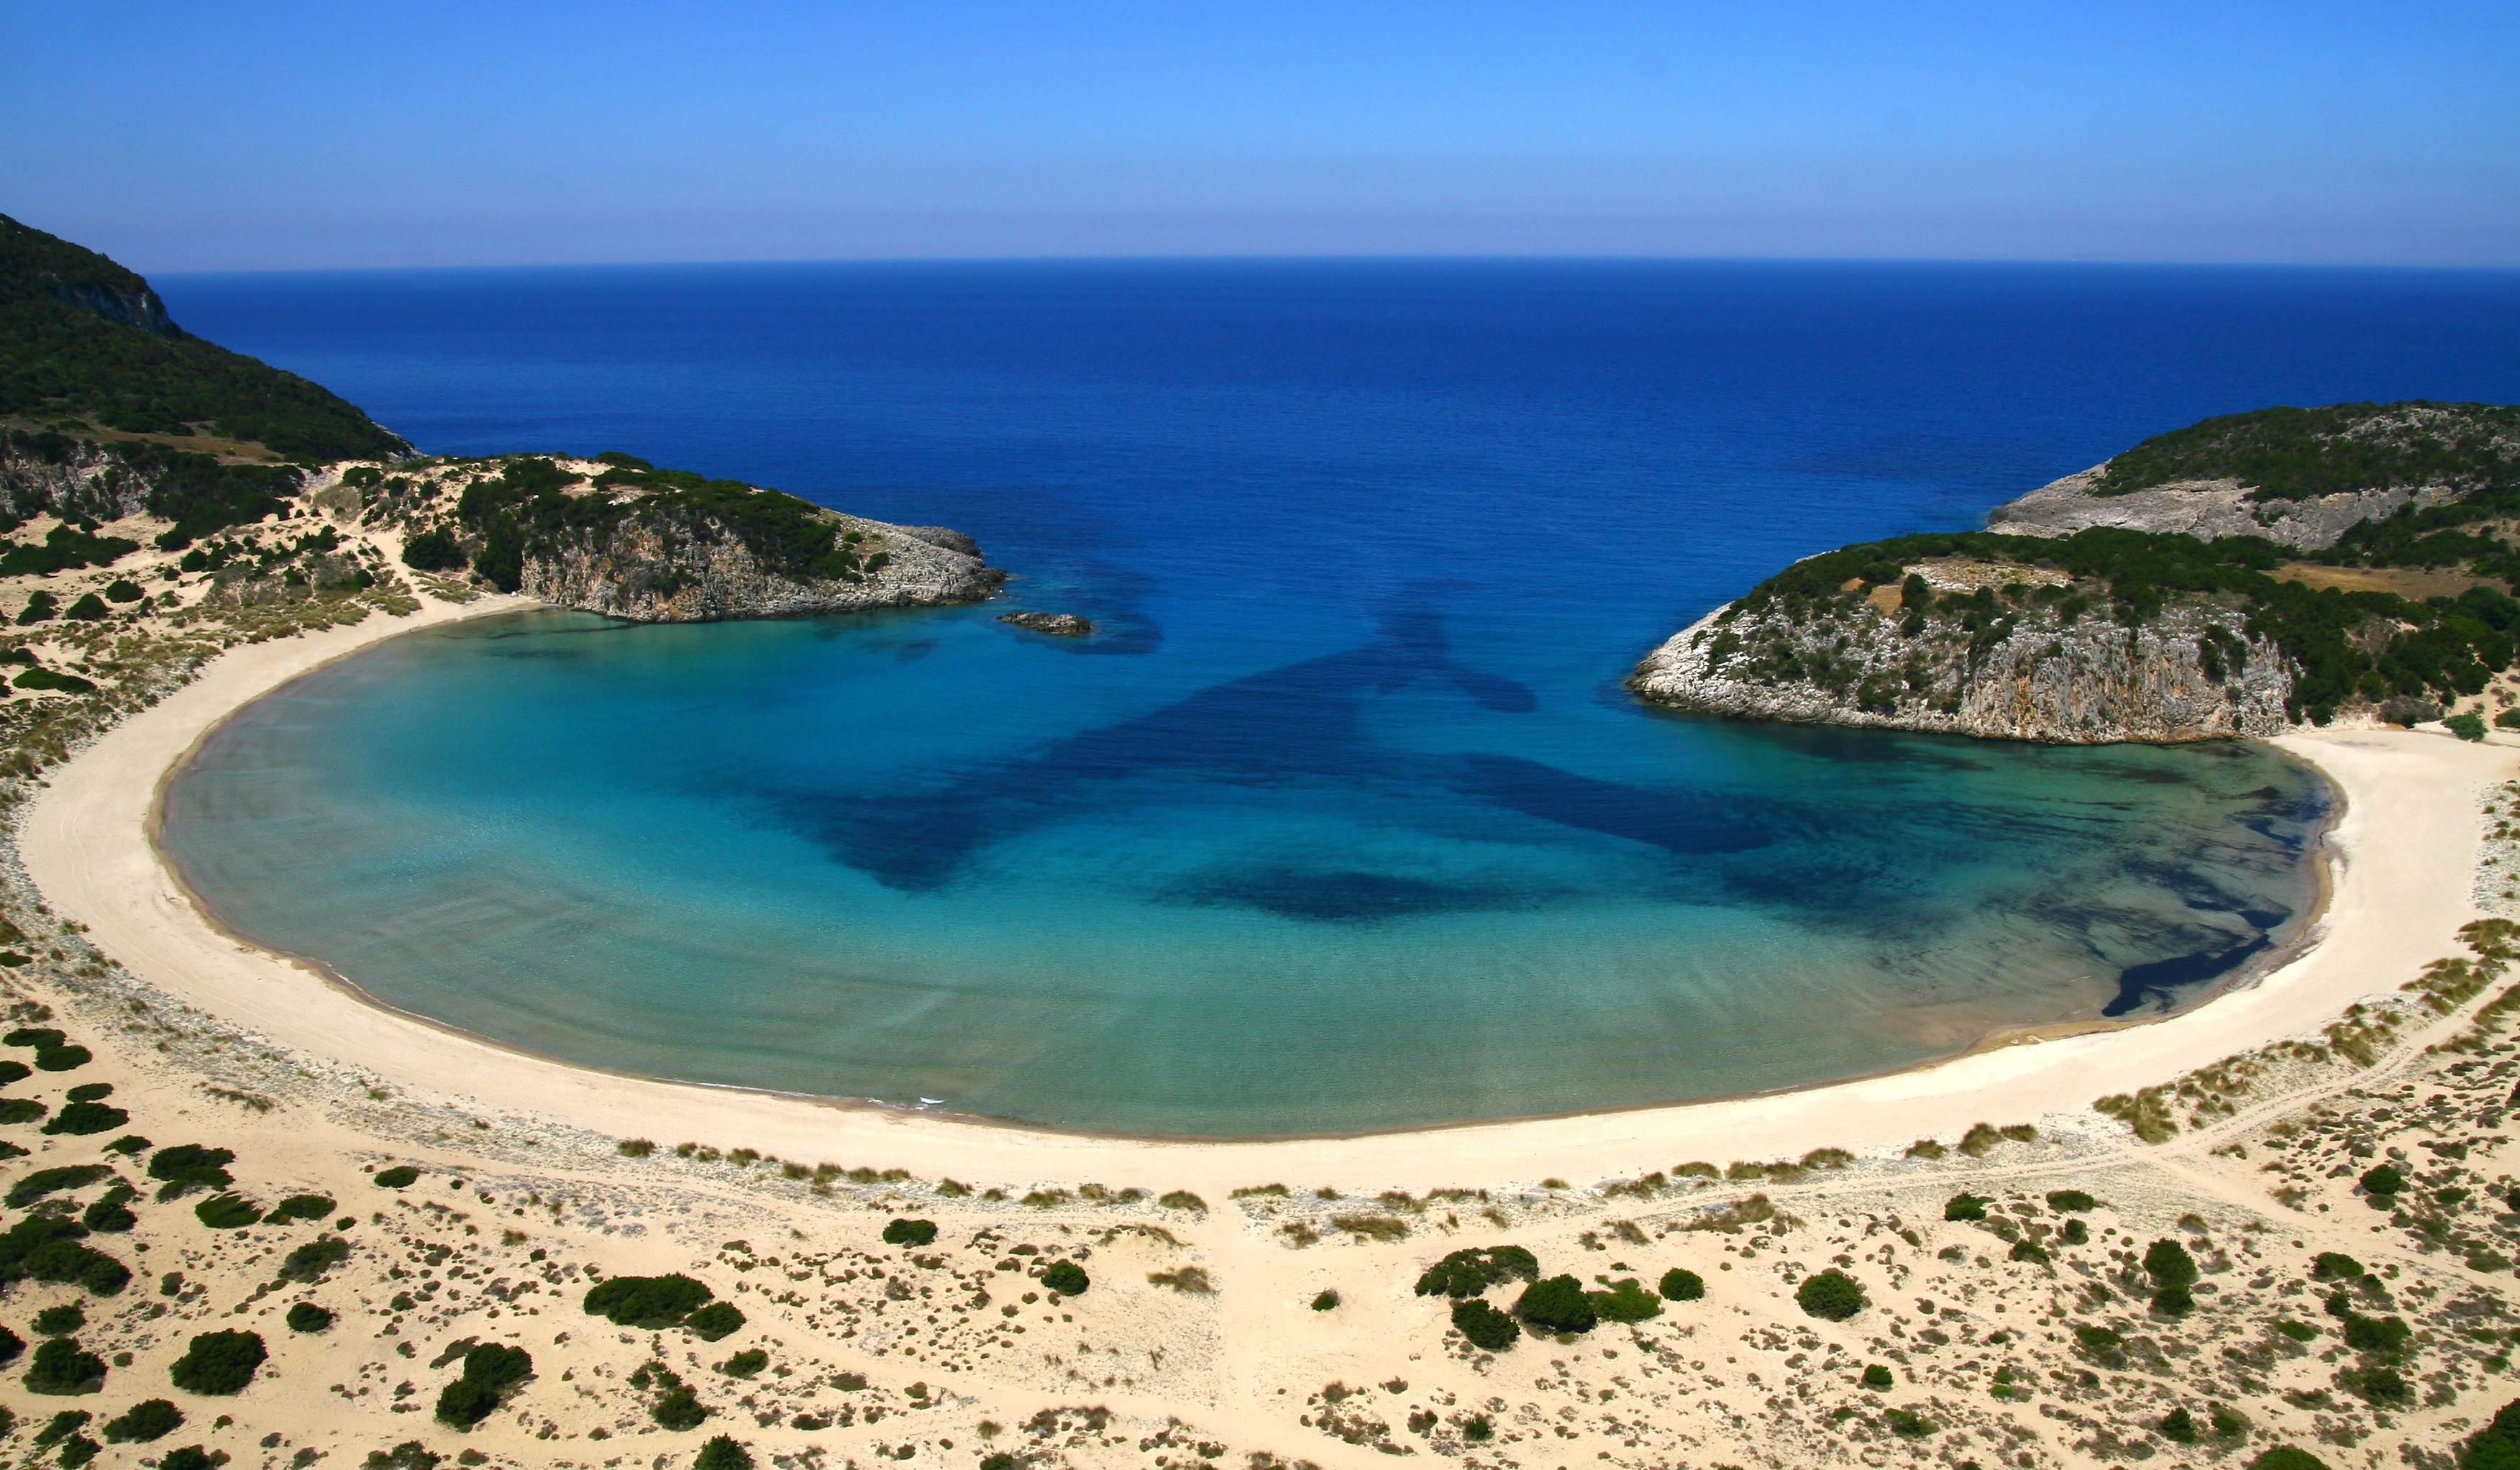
x: 1343, y: 821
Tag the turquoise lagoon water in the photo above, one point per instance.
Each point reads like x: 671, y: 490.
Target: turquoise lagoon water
x: 1342, y: 821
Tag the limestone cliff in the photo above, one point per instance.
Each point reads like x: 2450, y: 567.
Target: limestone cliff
x: 2205, y: 508
x: 649, y: 573
x: 2031, y: 672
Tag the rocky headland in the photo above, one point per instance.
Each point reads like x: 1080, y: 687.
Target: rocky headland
x: 2235, y: 578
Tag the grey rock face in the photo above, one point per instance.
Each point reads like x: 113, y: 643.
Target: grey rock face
x: 2204, y: 509
x: 2190, y: 674
x: 649, y: 573
x: 1056, y: 624
x: 86, y: 479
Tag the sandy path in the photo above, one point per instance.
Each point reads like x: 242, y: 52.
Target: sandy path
x: 2406, y: 852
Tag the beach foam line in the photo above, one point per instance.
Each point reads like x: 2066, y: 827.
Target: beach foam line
x: 2403, y: 857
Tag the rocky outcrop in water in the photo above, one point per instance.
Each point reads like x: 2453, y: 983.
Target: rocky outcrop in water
x: 2193, y: 673
x: 2207, y: 510
x: 1056, y: 624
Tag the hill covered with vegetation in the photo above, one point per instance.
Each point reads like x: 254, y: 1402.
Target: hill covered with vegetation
x: 2293, y: 453
x: 85, y: 340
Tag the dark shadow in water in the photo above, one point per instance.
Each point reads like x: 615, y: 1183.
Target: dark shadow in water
x: 1303, y: 722
x: 1347, y: 897
x: 2138, y: 983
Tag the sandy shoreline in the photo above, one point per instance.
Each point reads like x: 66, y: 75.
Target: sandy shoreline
x: 2403, y: 855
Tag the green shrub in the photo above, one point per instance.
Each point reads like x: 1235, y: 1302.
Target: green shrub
x: 1557, y: 1304
x: 228, y: 1212
x: 60, y: 1321
x: 722, y: 1452
x: 89, y: 608
x: 1876, y: 1376
x: 129, y: 1144
x: 108, y: 1213
x: 1907, y: 1424
x: 43, y: 1182
x: 715, y: 1320
x: 123, y: 590
x: 1469, y: 1273
x: 1965, y: 1206
x: 1183, y: 1199
x: 1830, y: 1294
x: 80, y: 1119
x: 69, y: 1057
x: 1065, y: 1277
x: 2169, y: 1264
x: 1487, y: 1328
x: 316, y: 1256
x: 2466, y: 727
x: 2334, y: 1265
x: 1682, y: 1286
x: 679, y: 1408
x: 2174, y: 1301
x: 1326, y: 1301
x: 90, y: 1091
x: 433, y: 550
x: 910, y: 1232
x: 2384, y: 1181
x: 2075, y: 1233
x: 1627, y: 1301
x: 489, y: 1371
x: 10, y: 1344
x: 2071, y: 1202
x: 48, y: 1249
x: 12, y: 1072
x: 190, y: 1166
x: 648, y: 1302
x: 399, y: 1176
x: 2179, y: 1427
x: 63, y: 1424
x: 745, y: 1364
x: 62, y: 1366
x: 300, y: 1207
x: 189, y: 1458
x: 40, y: 607
x: 2509, y: 719
x: 306, y: 1316
x: 2496, y: 1447
x: 219, y: 1363
x: 32, y: 1036
x: 2386, y: 1335
x: 2028, y: 1250
x: 149, y: 1419
x: 21, y: 1109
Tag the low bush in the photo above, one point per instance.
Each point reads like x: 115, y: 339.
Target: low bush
x: 21, y: 1109
x: 10, y: 1344
x: 60, y: 1321
x: 1326, y: 1301
x: 43, y: 1182
x: 46, y: 1248
x: 2509, y: 719
x: 2334, y: 1266
x: 1965, y: 1206
x: 89, y: 608
x: 399, y: 1176
x: 12, y: 1072
x: 2071, y: 1202
x: 190, y: 1166
x: 2287, y: 1457
x: 69, y: 1057
x: 123, y: 590
x: 1907, y: 1424
x: 490, y: 1371
x: 1065, y: 1277
x: 2028, y: 1250
x: 228, y: 1212
x: 316, y: 1256
x: 149, y: 1419
x: 2384, y: 1181
x: 2168, y: 1264
x: 2470, y: 727
x: 910, y: 1232
x: 648, y: 1302
x: 1831, y: 1294
x: 715, y: 1320
x: 1627, y: 1301
x: 745, y: 1364
x: 306, y: 1316
x: 1183, y: 1199
x: 1469, y: 1272
x: 1487, y: 1328
x: 2174, y: 1301
x: 433, y: 550
x: 300, y: 1207
x: 722, y: 1453
x: 219, y: 1363
x: 1876, y: 1376
x: 189, y: 1458
x: 679, y: 1408
x: 90, y: 1091
x: 32, y: 1036
x: 1679, y: 1285
x: 80, y: 1119
x: 1557, y: 1304
x: 61, y: 1367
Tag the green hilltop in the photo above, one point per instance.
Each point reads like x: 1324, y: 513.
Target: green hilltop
x: 82, y: 339
x: 2294, y: 453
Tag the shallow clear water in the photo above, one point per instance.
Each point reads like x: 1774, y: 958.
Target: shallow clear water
x: 1345, y: 822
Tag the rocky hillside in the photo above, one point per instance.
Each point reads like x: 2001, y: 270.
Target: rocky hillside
x: 2299, y: 477
x: 616, y: 536
x: 2224, y: 580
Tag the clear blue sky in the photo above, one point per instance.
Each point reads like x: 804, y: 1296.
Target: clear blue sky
x: 245, y: 136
